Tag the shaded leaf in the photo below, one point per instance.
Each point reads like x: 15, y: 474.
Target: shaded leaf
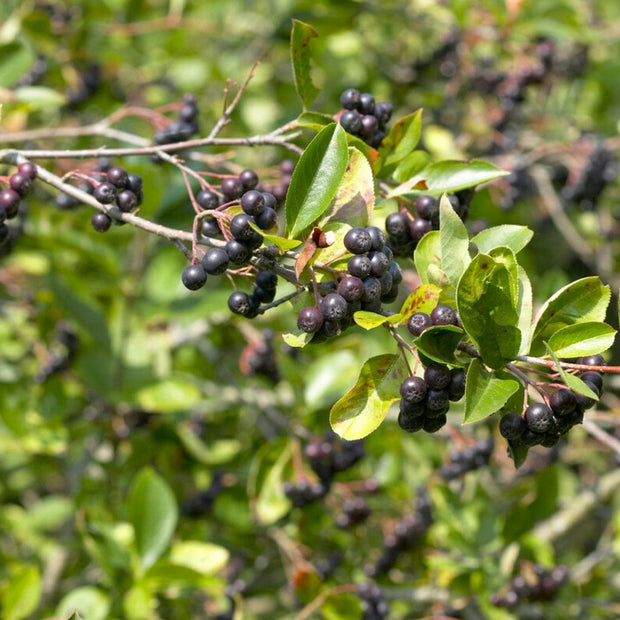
x: 571, y: 381
x: 314, y: 120
x: 152, y: 510
x: 485, y: 392
x: 401, y: 140
x: 411, y: 166
x: 363, y: 408
x: 316, y: 179
x: 582, y: 301
x: 439, y: 343
x: 301, y: 35
x: 427, y: 253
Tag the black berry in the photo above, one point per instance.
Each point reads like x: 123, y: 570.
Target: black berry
x: 309, y: 319
x: 100, y: 221
x: 539, y: 418
x: 193, y: 277
x: 207, y: 199
x: 215, y: 261
x: 358, y: 240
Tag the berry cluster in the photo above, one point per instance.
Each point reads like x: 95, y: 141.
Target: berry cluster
x: 184, y: 127
x: 405, y: 231
x: 326, y: 456
x: 354, y: 510
x: 543, y: 587
x: 544, y: 424
x: 469, y: 459
x: 442, y: 314
x: 599, y: 170
x: 372, y: 279
x: 200, y: 504
x: 425, y: 400
x: 363, y: 117
x: 60, y: 359
x: 122, y: 189
x: 374, y: 606
x: 259, y: 358
x: 406, y: 534
x: 19, y: 186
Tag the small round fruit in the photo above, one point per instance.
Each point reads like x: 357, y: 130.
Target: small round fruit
x: 437, y: 376
x: 309, y: 319
x: 248, y: 178
x: 266, y: 219
x: 562, y: 402
x: 241, y: 303
x: 253, y: 202
x: 410, y: 423
x: 21, y: 183
x: 432, y: 425
x: 512, y: 426
x: 358, y: 240
x: 351, y: 122
x: 539, y: 418
x: 29, y: 169
x: 105, y: 193
x: 240, y: 227
x: 377, y: 236
x: 397, y: 223
x: 232, y: 188
x: 101, y: 222
x: 350, y: 99
x: 367, y: 103
x: 238, y: 252
x: 351, y: 288
x: 333, y: 306
x: 413, y: 389
x: 418, y: 322
x: 443, y: 314
x: 456, y: 387
x: 207, y: 199
x: 9, y: 202
x: 427, y: 207
x: 215, y: 261
x: 126, y: 200
x: 383, y: 111
x: 592, y: 360
x: 117, y: 175
x: 193, y: 277
x: 359, y: 266
x: 267, y: 280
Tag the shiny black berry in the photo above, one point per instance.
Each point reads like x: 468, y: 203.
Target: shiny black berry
x: 333, y: 306
x: 100, y: 221
x: 266, y: 219
x: 241, y: 303
x: 377, y: 237
x: 248, y: 178
x: 267, y: 280
x: 309, y: 319
x: 232, y: 188
x: 215, y: 261
x: 397, y: 223
x: 359, y: 266
x: 253, y: 202
x: 351, y: 121
x: 592, y: 360
x: 383, y: 111
x: 562, y: 402
x: 126, y: 200
x: 193, y: 277
x: 238, y: 252
x: 240, y: 227
x: 29, y: 169
x: 358, y: 240
x: 367, y: 103
x: 418, y: 322
x: 427, y: 207
x: 350, y: 99
x: 512, y: 426
x: 413, y: 389
x: 379, y: 263
x: 443, y: 314
x: 456, y: 387
x: 118, y: 176
x: 9, y: 202
x: 21, y: 183
x: 351, y: 288
x: 539, y: 418
x: 207, y: 199
x: 105, y: 193
x: 437, y: 376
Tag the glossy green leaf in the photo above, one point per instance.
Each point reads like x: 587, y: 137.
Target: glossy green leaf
x: 582, y: 339
x: 301, y: 35
x: 439, y: 343
x: 355, y: 198
x: 39, y: 97
x: 486, y: 301
x: 215, y: 452
x: 453, y: 241
x: 205, y: 558
x: 314, y: 120
x: 411, y: 166
x: 525, y: 305
x: 451, y: 176
x: 362, y: 409
x: 401, y: 140
x: 20, y: 596
x: 485, y: 392
x: 508, y: 235
x: 316, y: 179
x: 282, y: 243
x: 582, y: 301
x: 427, y: 254
x: 92, y: 603
x: 152, y: 510
x: 570, y: 380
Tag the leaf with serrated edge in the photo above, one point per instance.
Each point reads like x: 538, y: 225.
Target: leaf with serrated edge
x: 362, y: 409
x: 485, y: 393
x: 301, y: 35
x: 507, y: 235
x: 453, y: 241
x: 355, y: 198
x: 581, y: 301
x: 316, y: 179
x: 582, y: 339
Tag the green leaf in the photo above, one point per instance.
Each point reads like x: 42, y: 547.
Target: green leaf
x: 355, y: 198
x: 282, y: 243
x: 485, y: 392
x: 439, y: 343
x: 271, y: 503
x: 21, y: 595
x: 152, y: 510
x: 508, y: 235
x: 450, y: 176
x: 301, y: 35
x: 411, y: 165
x: 39, y: 97
x: 525, y: 305
x: 486, y: 300
x: 582, y: 301
x: 204, y: 558
x: 15, y: 60
x: 316, y: 179
x: 572, y: 381
x: 582, y: 339
x: 453, y: 241
x: 314, y: 120
x: 168, y: 395
x: 361, y: 410
x: 216, y: 452
x: 369, y: 320
x: 426, y: 255
x: 401, y: 141
x: 92, y: 603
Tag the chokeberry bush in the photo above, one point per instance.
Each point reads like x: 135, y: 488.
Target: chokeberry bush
x: 262, y: 362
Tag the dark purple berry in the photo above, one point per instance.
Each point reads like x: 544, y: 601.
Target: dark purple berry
x: 456, y: 387
x: 372, y: 289
x: 539, y: 418
x: 266, y: 219
x: 370, y: 124
x: 118, y: 176
x: 437, y: 376
x: 377, y: 237
x: 592, y: 360
x: 512, y: 426
x: 350, y: 99
x: 427, y: 207
x: 134, y: 182
x: 210, y: 227
x: 386, y: 284
x: 193, y: 277
x: 207, y: 199
x: 351, y: 288
x: 101, y: 221
x: 562, y: 402
x: 333, y: 306
x: 241, y: 303
x: 418, y: 322
x: 29, y: 169
x: 253, y: 202
x: 367, y: 103
x: 267, y: 279
x: 238, y: 252
x: 397, y: 223
x: 410, y: 423
x: 437, y: 401
x: 351, y: 121
x: 593, y: 377
x: 21, y: 183
x: 215, y: 261
x: 585, y: 402
x: 309, y: 319
x: 9, y: 202
x: 249, y: 179
x: 383, y: 111
x: 240, y: 227
x: 232, y: 188
x: 379, y: 263
x: 418, y: 228
x: 126, y: 200
x: 358, y: 240
x: 432, y: 425
x: 270, y: 200
x: 413, y: 389
x: 105, y: 193
x: 359, y: 266
x: 443, y: 314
